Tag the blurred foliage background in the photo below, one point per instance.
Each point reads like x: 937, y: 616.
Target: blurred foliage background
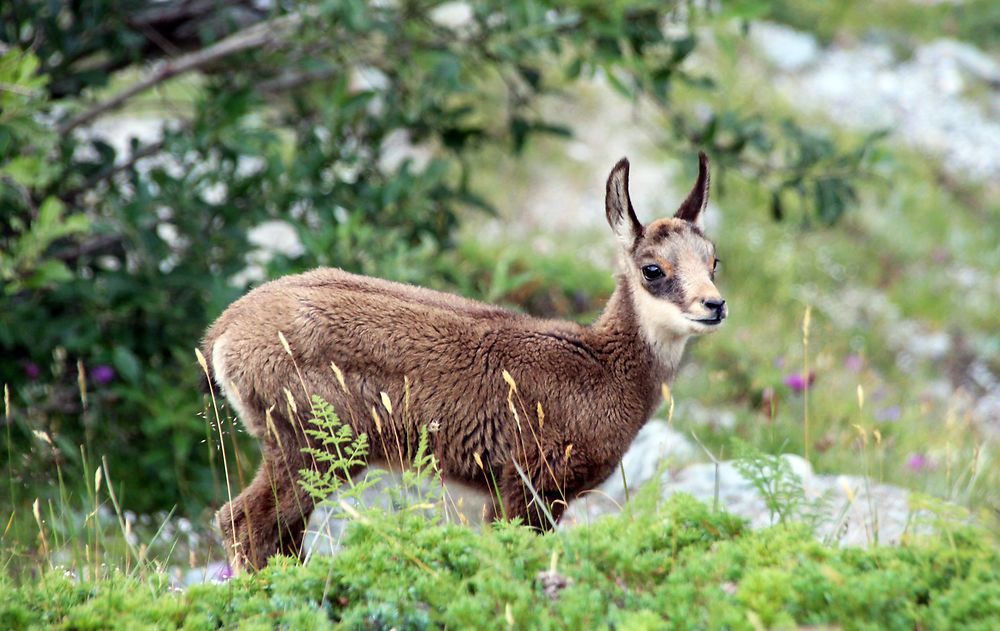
x: 113, y: 259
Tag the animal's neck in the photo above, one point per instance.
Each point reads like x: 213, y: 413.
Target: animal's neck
x: 647, y: 364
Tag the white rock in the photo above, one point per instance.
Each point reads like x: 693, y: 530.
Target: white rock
x: 278, y: 237
x: 785, y: 47
x: 398, y: 147
x: 965, y: 57
x: 453, y: 15
x: 921, y: 99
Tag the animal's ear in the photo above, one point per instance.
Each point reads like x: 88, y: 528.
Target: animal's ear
x: 618, y: 206
x: 693, y: 208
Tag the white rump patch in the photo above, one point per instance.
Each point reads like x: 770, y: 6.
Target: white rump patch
x: 223, y: 379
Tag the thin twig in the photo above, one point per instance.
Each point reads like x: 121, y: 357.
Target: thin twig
x: 266, y: 33
x: 290, y: 81
x: 96, y: 244
x: 97, y: 178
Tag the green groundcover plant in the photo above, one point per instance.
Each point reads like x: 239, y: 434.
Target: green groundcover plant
x: 672, y: 565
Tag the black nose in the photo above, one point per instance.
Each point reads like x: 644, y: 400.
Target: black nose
x: 716, y: 306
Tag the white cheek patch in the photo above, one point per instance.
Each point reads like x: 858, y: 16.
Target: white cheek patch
x: 661, y: 319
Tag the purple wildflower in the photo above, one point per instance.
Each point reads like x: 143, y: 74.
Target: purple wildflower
x: 224, y: 573
x: 891, y: 413
x: 799, y: 382
x: 33, y: 370
x: 103, y: 374
x: 918, y: 462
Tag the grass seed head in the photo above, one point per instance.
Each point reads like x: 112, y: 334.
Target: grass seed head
x: 284, y: 343
x: 862, y: 432
x: 513, y: 410
x: 269, y: 420
x: 201, y: 360
x: 510, y: 380
x: 847, y: 489
x: 340, y: 376
x: 43, y: 435
x: 806, y: 319
x: 81, y: 378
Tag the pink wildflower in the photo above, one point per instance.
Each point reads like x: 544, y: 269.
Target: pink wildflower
x: 799, y: 382
x: 918, y: 462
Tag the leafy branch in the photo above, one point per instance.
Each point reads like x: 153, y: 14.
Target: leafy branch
x: 270, y: 33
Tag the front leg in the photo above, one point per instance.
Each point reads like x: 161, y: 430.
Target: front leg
x: 519, y: 501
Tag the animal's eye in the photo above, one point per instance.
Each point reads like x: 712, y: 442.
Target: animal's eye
x: 652, y: 272
x: 715, y: 265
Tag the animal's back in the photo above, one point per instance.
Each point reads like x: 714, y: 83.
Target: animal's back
x: 329, y: 315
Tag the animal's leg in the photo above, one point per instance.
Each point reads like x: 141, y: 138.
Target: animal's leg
x: 519, y: 501
x: 270, y: 515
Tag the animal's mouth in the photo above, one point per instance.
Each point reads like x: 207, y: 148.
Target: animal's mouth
x: 713, y: 321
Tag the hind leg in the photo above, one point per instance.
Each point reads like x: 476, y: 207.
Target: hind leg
x: 270, y: 515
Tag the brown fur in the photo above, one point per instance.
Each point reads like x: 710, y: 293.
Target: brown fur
x: 596, y: 385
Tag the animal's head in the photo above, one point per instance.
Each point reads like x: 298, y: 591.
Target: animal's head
x: 668, y: 265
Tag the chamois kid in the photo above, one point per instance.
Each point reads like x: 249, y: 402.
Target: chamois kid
x: 581, y: 392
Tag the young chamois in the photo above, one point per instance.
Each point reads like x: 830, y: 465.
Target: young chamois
x: 581, y: 392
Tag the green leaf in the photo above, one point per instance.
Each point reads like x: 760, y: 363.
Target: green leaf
x: 49, y: 213
x: 127, y: 364
x: 831, y: 197
x: 47, y: 274
x: 25, y: 170
x: 574, y: 68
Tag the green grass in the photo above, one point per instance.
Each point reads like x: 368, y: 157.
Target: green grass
x: 900, y: 21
